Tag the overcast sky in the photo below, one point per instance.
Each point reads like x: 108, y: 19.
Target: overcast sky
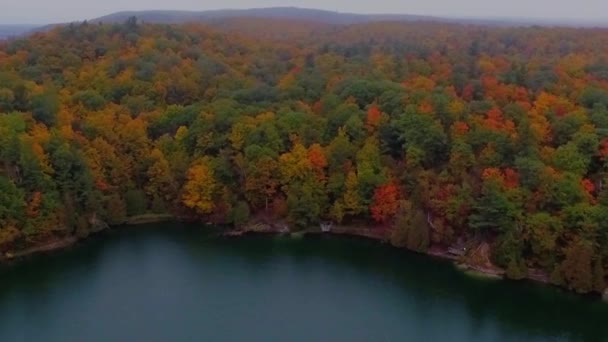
x: 51, y: 11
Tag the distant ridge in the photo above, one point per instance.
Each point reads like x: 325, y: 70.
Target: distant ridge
x: 305, y: 14
x: 8, y: 31
x: 301, y: 15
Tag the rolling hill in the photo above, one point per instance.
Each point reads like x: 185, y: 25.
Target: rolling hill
x: 7, y: 31
x: 172, y: 17
x: 330, y: 17
x: 255, y: 17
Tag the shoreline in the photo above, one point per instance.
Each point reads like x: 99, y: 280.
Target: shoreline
x: 66, y: 242
x: 49, y: 246
x: 382, y: 236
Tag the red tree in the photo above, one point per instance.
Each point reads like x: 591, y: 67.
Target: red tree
x: 373, y: 116
x: 386, y: 202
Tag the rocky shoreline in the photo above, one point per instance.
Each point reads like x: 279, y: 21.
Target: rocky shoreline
x: 373, y: 234
x: 487, y: 271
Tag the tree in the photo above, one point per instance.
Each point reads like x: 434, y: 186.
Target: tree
x: 386, y: 202
x: 116, y: 210
x: 261, y: 183
x: 369, y: 170
x: 304, y: 205
x: 316, y: 156
x: 294, y: 166
x: 339, y: 152
x: 6, y: 100
x: 599, y: 277
x: 200, y: 187
x: 90, y: 99
x: 160, y: 178
x: 374, y: 115
x: 541, y: 233
x: 569, y: 158
x: 577, y: 266
x: 337, y: 211
x: 158, y: 206
x: 411, y: 229
x: 72, y: 175
x: 33, y: 170
x: 240, y: 214
x: 45, y: 108
x: 12, y: 203
x: 421, y: 131
x: 351, y: 201
x: 136, y: 202
x: 494, y: 211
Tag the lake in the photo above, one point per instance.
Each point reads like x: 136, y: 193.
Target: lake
x: 177, y: 282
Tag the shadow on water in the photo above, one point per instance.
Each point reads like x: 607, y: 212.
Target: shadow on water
x: 534, y: 309
x: 430, y: 285
x: 37, y: 274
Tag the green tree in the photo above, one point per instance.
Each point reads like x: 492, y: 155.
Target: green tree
x: 12, y: 203
x: 494, y: 211
x: 304, y: 207
x: 136, y: 202
x: 423, y: 132
x: 240, y: 214
x: 569, y: 158
x: 45, y: 107
x: 541, y: 233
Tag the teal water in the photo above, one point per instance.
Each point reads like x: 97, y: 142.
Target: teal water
x: 171, y: 282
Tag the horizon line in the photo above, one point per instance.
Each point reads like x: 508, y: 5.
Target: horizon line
x: 602, y: 22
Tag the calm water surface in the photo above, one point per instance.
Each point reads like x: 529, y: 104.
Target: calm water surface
x: 171, y: 282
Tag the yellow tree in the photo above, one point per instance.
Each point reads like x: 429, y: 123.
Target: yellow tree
x: 108, y: 167
x: 349, y: 203
x: 352, y: 199
x: 295, y: 165
x: 200, y: 187
x: 160, y: 180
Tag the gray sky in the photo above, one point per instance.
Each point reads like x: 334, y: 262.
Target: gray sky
x: 50, y: 11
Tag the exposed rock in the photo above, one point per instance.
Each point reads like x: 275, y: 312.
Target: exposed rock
x: 258, y: 227
x: 605, y: 295
x: 97, y: 224
x: 283, y: 228
x: 480, y: 256
x: 326, y: 226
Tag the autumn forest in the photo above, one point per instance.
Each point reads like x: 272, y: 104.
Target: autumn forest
x: 437, y: 135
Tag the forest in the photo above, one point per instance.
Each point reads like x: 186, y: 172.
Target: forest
x: 440, y: 134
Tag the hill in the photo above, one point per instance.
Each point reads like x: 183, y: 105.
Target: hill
x: 329, y: 17
x: 7, y: 31
x: 254, y: 18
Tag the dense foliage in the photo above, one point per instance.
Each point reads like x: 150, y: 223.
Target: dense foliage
x: 442, y: 134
